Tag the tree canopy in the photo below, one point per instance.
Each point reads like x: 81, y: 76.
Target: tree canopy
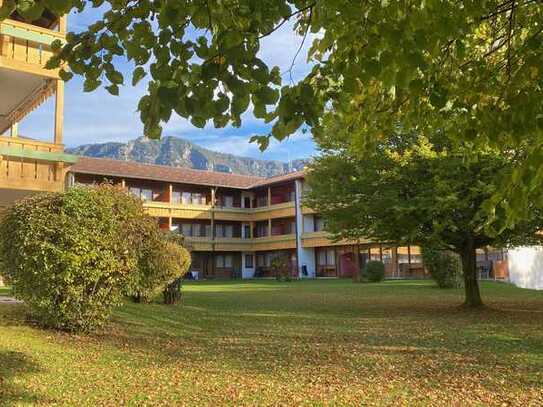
x: 412, y: 189
x: 435, y: 65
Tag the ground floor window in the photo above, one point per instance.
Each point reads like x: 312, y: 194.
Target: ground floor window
x: 224, y: 261
x: 326, y: 257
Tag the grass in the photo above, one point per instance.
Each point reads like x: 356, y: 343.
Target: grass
x: 300, y: 343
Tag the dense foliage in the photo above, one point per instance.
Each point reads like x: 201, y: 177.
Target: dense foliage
x: 416, y: 190
x: 73, y: 256
x: 280, y: 267
x: 161, y: 261
x: 374, y: 271
x: 443, y: 266
x: 470, y: 68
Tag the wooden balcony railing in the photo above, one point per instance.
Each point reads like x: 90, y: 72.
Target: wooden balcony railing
x: 25, y: 47
x: 32, y: 165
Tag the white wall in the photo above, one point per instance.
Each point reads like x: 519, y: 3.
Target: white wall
x: 247, y: 272
x: 526, y: 267
x: 309, y: 223
x: 306, y: 257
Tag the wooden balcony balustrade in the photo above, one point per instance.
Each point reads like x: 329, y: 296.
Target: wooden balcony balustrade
x: 27, y: 48
x: 32, y: 165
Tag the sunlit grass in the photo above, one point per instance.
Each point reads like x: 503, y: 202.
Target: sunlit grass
x: 267, y: 343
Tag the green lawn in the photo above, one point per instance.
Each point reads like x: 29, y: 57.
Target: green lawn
x: 268, y: 343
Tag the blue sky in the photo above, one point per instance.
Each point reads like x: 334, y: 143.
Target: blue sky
x: 99, y: 117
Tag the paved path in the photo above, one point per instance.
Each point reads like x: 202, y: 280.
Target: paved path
x: 9, y: 300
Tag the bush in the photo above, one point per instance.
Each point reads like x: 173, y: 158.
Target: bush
x: 161, y: 263
x: 443, y: 266
x: 280, y: 267
x: 374, y: 271
x: 72, y: 256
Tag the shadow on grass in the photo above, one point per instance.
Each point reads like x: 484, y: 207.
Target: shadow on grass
x: 13, y: 366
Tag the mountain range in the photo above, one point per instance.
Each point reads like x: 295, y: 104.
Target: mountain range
x: 178, y: 152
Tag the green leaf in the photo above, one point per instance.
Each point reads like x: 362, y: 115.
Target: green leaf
x: 138, y: 74
x: 113, y: 89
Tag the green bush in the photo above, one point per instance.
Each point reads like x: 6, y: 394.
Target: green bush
x: 443, y: 266
x: 72, y: 256
x: 280, y: 267
x: 374, y: 271
x: 161, y: 262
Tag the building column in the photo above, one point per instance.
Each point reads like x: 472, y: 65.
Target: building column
x: 59, y: 112
x: 269, y: 196
x: 63, y: 23
x: 395, y: 267
x: 269, y: 227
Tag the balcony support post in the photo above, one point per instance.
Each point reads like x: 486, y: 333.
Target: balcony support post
x: 59, y: 111
x: 269, y: 196
x: 14, y: 130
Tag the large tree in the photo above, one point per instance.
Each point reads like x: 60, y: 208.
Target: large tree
x: 411, y: 189
x: 473, y: 66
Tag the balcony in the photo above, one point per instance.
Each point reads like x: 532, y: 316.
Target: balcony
x: 280, y: 242
x: 321, y: 239
x: 27, y: 48
x: 30, y: 165
x: 181, y: 211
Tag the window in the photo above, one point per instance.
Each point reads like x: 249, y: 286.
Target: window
x: 186, y: 229
x: 262, y: 201
x: 146, y: 195
x: 247, y: 231
x: 185, y: 198
x: 224, y: 261
x: 196, y: 230
x: 135, y: 192
x: 196, y: 199
x: 228, y: 231
x: 319, y: 224
x: 263, y: 260
x: 249, y: 261
x: 262, y: 229
x: 228, y: 201
x: 176, y: 197
x: 141, y: 193
x: 326, y: 257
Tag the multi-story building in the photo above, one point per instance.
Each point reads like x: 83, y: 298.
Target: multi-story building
x: 237, y: 224
x: 26, y: 165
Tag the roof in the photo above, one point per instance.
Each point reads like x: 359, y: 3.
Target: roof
x: 130, y: 169
x: 291, y: 176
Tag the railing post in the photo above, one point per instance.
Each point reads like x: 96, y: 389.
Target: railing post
x: 14, y: 131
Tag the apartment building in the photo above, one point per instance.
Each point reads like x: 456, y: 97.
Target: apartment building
x: 28, y: 166
x: 236, y: 224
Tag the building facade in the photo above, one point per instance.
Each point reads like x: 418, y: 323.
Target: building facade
x: 28, y: 166
x: 236, y: 225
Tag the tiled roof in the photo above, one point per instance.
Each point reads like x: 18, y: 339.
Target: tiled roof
x: 129, y: 169
x: 279, y: 178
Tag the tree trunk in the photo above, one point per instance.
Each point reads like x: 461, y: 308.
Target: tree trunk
x: 469, y: 270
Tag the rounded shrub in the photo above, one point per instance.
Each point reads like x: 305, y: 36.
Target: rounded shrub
x: 161, y: 263
x: 374, y: 271
x: 443, y: 266
x: 72, y: 256
x: 280, y: 267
